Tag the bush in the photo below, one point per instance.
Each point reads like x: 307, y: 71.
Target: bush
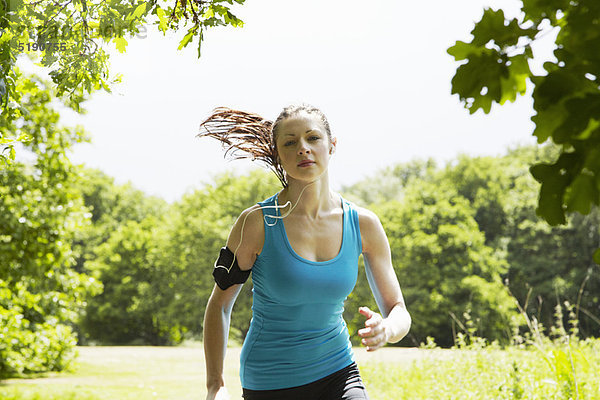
x: 26, y: 346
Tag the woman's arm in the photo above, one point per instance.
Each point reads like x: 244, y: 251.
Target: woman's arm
x: 216, y: 332
x: 218, y: 310
x: 395, y: 323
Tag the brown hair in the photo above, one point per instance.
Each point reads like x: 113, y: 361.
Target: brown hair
x: 253, y: 135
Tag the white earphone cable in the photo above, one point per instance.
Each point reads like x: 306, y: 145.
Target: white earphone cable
x: 265, y: 216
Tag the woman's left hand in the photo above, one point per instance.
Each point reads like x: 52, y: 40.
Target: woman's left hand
x: 374, y: 333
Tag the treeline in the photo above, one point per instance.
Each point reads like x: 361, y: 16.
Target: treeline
x: 82, y: 257
x: 466, y: 243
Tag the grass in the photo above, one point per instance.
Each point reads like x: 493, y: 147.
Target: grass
x: 483, y: 374
x: 127, y: 373
x: 140, y: 373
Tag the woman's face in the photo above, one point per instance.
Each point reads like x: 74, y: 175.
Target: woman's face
x: 303, y: 138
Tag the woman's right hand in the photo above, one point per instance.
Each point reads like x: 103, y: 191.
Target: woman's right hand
x: 218, y: 394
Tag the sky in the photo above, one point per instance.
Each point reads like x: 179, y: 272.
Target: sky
x: 379, y: 71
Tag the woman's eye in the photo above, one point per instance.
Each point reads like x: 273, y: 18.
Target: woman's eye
x: 288, y: 143
x: 314, y: 137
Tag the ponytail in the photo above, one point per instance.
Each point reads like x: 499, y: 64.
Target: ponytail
x: 245, y: 135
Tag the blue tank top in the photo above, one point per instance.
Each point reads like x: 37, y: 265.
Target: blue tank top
x: 297, y: 334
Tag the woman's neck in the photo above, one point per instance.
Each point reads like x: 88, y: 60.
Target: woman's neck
x: 313, y: 201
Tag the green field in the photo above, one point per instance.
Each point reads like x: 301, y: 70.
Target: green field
x: 140, y: 373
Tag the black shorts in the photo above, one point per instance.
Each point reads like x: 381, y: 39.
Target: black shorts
x: 344, y: 384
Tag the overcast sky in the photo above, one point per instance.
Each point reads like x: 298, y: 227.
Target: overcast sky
x: 378, y: 70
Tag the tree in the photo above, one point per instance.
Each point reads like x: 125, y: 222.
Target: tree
x: 547, y: 264
x: 127, y: 266
x: 566, y: 98
x: 109, y: 206
x: 441, y: 259
x: 389, y: 183
x: 445, y: 267
x: 40, y: 211
x: 119, y: 248
x: 66, y: 36
x: 544, y: 265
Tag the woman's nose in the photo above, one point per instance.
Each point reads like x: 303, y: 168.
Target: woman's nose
x: 303, y: 148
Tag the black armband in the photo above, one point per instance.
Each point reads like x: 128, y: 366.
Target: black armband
x: 227, y: 274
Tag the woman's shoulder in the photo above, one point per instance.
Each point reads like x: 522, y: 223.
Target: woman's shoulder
x: 365, y: 216
x: 369, y: 224
x: 254, y: 219
x: 367, y: 219
x: 247, y: 235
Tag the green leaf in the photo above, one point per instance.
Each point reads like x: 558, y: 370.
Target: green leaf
x: 481, y: 102
x: 555, y: 87
x: 597, y: 256
x: 516, y: 83
x: 480, y: 80
x: 581, y: 194
x: 5, y: 36
x: 593, y: 125
x: 162, y: 20
x: 209, y: 13
x: 555, y: 178
x: 139, y: 10
x: 188, y: 37
x: 121, y: 44
x: 462, y: 50
x: 592, y: 161
x: 491, y: 23
x: 551, y: 193
x: 548, y: 120
x: 494, y: 27
x: 233, y: 20
x: 580, y: 111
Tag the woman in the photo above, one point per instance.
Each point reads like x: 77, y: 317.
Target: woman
x: 298, y: 345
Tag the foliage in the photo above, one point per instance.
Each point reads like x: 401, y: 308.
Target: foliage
x: 541, y: 263
x: 389, y: 182
x: 488, y: 373
x: 39, y: 212
x: 444, y: 264
x: 566, y: 98
x: 126, y: 265
x: 67, y: 37
x: 551, y: 261
x: 119, y: 249
x: 27, y: 345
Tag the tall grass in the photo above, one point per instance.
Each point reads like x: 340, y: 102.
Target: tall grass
x: 537, y: 365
